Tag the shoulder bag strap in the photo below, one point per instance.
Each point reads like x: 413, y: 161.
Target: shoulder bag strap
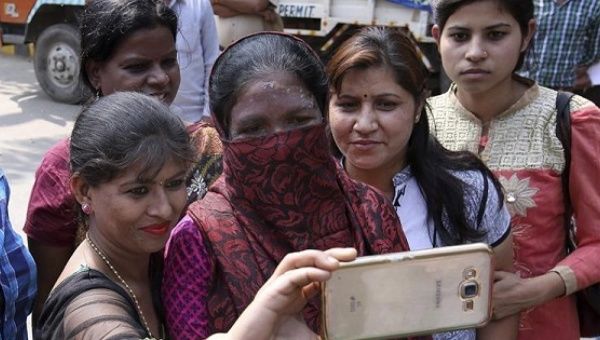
x: 563, y: 132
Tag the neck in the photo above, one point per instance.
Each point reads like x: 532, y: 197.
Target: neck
x: 488, y: 105
x: 379, y: 178
x: 133, y: 267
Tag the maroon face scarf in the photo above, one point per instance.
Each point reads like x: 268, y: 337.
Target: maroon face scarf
x: 278, y: 194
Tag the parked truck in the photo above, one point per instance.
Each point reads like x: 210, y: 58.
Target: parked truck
x: 52, y: 25
x: 325, y: 24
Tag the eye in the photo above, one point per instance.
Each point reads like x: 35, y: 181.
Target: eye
x: 169, y: 62
x: 136, y: 68
x: 175, y: 184
x: 248, y: 131
x: 459, y: 36
x: 138, y: 191
x: 386, y: 105
x: 301, y: 120
x: 347, y: 105
x: 496, y: 35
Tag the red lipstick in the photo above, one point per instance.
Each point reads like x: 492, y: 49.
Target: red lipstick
x: 157, y: 229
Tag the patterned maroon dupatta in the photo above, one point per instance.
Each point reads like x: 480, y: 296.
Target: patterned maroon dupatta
x: 278, y: 194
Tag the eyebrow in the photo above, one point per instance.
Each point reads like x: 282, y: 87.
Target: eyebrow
x: 150, y: 181
x: 137, y: 57
x: 379, y: 95
x: 251, y: 119
x: 500, y: 25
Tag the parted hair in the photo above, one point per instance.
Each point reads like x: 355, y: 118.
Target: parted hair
x: 126, y: 129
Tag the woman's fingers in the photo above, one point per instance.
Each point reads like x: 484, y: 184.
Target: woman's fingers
x: 299, y: 278
x: 328, y: 260
x: 342, y: 254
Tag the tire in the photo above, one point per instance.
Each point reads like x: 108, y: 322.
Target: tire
x: 57, y: 64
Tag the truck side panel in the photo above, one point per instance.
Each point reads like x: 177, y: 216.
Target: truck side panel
x: 15, y: 11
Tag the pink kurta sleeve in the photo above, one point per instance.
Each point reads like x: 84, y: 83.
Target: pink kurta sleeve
x: 582, y: 267
x: 186, y: 280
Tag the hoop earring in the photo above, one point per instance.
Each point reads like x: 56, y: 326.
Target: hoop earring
x: 86, y: 208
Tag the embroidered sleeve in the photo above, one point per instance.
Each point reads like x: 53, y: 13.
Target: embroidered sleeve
x: 585, y: 197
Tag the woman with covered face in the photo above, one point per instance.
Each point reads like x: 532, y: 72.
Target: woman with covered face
x: 129, y: 156
x: 281, y: 190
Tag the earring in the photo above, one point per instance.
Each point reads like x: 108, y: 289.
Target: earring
x: 86, y: 208
x: 485, y: 53
x: 417, y: 118
x: 98, y: 93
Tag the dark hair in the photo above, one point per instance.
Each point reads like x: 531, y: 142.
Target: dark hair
x: 106, y: 23
x: 431, y: 163
x: 256, y: 56
x: 125, y: 129
x: 521, y: 10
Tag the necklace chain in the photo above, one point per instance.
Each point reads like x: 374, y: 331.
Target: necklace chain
x: 129, y: 290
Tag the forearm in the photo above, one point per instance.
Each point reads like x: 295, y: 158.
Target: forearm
x: 246, y: 325
x: 224, y: 11
x: 243, y: 6
x: 544, y: 288
x: 506, y: 328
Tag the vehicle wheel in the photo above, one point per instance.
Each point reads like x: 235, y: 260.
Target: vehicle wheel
x: 57, y: 64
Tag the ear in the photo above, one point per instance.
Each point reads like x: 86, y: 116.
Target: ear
x: 92, y: 69
x: 80, y: 189
x: 531, y: 27
x: 436, y: 33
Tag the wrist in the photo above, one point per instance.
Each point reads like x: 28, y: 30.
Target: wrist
x: 547, y: 287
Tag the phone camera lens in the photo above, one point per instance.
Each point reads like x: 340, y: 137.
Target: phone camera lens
x: 469, y: 290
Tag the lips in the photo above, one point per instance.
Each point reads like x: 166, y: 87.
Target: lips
x: 364, y: 144
x: 157, y: 229
x: 162, y: 96
x: 474, y: 72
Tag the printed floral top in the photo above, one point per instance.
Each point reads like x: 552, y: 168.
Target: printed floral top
x: 522, y: 149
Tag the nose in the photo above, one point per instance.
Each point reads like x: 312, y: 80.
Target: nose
x: 366, y: 122
x: 162, y: 205
x: 158, y: 76
x: 476, y: 50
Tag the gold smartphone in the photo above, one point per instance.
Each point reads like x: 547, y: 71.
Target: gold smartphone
x: 409, y: 293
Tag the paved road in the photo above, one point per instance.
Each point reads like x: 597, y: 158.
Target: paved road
x: 30, y: 123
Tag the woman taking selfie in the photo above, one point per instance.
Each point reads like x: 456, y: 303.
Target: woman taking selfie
x: 510, y: 122
x: 129, y: 156
x: 378, y: 121
x: 126, y: 46
x: 280, y: 192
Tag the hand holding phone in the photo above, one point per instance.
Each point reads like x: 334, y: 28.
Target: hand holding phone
x: 409, y: 293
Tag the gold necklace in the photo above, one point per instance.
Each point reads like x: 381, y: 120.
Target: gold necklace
x: 129, y: 290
